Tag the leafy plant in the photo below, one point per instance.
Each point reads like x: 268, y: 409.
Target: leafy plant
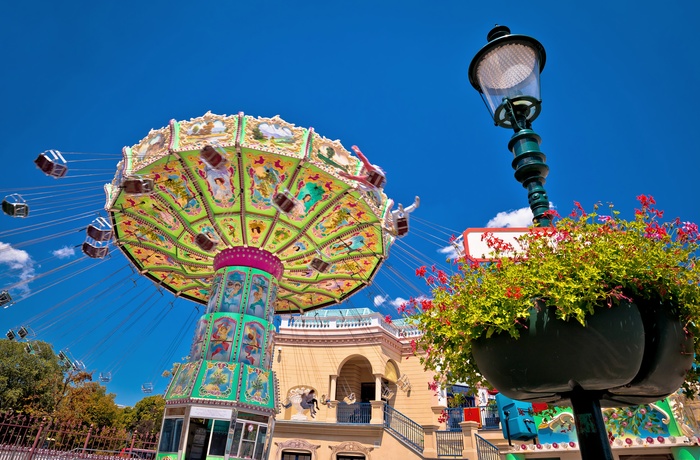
x: 579, y: 265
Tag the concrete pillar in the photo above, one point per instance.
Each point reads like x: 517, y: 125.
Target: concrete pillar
x: 469, y: 429
x: 430, y: 441
x: 334, y: 384
x: 377, y: 413
x: 332, y: 413
x: 378, y: 387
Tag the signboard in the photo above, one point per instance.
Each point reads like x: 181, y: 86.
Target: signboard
x: 210, y: 412
x: 475, y: 243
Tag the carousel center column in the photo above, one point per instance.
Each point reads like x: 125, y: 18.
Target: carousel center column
x: 225, y: 395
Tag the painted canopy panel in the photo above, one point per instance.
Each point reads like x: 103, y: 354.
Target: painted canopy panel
x: 231, y: 203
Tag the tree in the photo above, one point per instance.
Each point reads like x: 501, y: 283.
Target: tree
x: 149, y: 414
x: 27, y: 379
x: 87, y: 402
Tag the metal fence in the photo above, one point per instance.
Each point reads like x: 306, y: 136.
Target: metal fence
x: 403, y: 427
x: 449, y: 443
x: 23, y: 437
x: 485, y: 450
x: 354, y: 413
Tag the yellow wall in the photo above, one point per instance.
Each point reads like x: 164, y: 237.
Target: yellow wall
x: 308, y: 357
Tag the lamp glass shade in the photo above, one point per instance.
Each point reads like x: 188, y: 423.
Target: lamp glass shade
x: 511, y: 70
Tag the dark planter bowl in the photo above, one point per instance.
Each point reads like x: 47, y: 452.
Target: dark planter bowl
x: 633, y: 353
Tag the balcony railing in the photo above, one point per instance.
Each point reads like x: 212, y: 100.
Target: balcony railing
x: 485, y: 450
x: 354, y: 413
x: 488, y: 414
x: 349, y: 322
x: 403, y: 427
x: 449, y: 443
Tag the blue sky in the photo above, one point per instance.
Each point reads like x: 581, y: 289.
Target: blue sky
x: 390, y: 76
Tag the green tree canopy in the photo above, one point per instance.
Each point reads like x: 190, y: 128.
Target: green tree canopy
x: 27, y: 380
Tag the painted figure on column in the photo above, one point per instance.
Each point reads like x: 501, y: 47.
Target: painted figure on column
x: 233, y: 292
x: 222, y: 339
x: 258, y: 296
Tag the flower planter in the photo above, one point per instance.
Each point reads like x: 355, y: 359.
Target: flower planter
x: 629, y: 354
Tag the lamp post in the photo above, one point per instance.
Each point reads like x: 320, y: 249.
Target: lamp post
x: 506, y: 72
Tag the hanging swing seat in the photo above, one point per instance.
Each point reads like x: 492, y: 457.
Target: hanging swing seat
x: 52, y: 163
x: 137, y: 185
x: 204, y: 242
x: 401, y: 226
x: 95, y: 249
x: 211, y: 156
x: 386, y: 392
x: 10, y: 335
x: 100, y: 230
x: 319, y: 265
x: 22, y: 332
x: 284, y: 201
x: 376, y: 178
x: 147, y: 388
x: 5, y: 300
x: 15, y: 206
x: 105, y: 377
x: 29, y: 348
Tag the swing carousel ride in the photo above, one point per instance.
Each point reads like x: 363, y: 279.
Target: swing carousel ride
x: 248, y: 217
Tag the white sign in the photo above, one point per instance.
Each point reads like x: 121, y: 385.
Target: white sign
x: 476, y: 247
x: 211, y: 412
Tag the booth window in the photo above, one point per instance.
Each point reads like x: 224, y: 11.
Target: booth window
x: 170, y: 435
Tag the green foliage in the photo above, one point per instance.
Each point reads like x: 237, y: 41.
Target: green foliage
x: 27, y: 380
x: 582, y: 264
x: 149, y: 414
x: 457, y: 400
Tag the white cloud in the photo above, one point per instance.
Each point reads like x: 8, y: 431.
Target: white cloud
x: 19, y: 261
x: 518, y: 218
x: 454, y: 250
x: 64, y: 253
x: 397, y: 302
x: 379, y: 300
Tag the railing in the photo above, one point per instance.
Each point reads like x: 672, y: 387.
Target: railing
x: 404, y: 428
x: 26, y: 438
x: 485, y: 450
x: 488, y: 414
x: 354, y: 413
x: 449, y: 443
x: 349, y: 322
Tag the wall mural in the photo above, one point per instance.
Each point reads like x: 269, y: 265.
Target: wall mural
x: 256, y: 384
x: 218, y: 379
x: 183, y: 381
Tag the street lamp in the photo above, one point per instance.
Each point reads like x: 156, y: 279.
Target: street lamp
x: 506, y: 72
